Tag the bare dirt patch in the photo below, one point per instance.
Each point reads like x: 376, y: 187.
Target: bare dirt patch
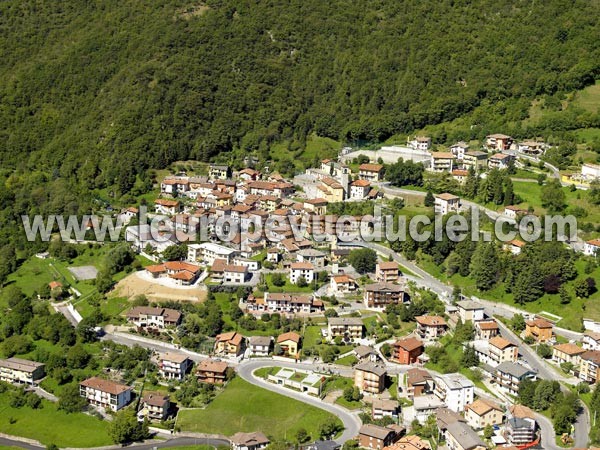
x: 190, y: 12
x: 133, y: 285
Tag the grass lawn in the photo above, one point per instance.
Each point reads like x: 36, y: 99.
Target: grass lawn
x: 337, y: 384
x: 348, y: 360
x: 245, y: 407
x: 48, y: 425
x: 287, y: 287
x: 349, y: 405
x: 312, y: 334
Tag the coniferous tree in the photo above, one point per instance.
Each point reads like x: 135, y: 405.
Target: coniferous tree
x: 485, y: 266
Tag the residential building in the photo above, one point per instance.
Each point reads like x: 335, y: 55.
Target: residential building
x: 482, y: 413
x: 431, y: 327
x: 418, y: 382
x: 211, y: 371
x: 369, y: 377
x: 341, y: 284
x: 229, y: 344
x: 455, y: 390
x: 410, y: 442
x: 180, y: 272
x: 514, y: 246
x: 366, y: 353
x: 375, y: 437
x: 387, y: 272
x: 348, y: 328
x: 442, y: 162
x: 379, y: 295
x: 154, y: 406
x: 260, y: 345
x: 302, y: 269
x: 500, y: 161
x: 359, y: 189
x: 460, y: 175
x: 384, y: 408
x: 509, y: 375
x: 323, y: 445
x: 513, y: 211
x: 174, y: 366
x: 21, y: 371
x: 314, y: 257
x: 502, y: 350
x: 590, y: 172
x: 589, y: 366
x: 423, y: 407
x: 567, y: 353
x: 420, y: 143
x: 469, y: 310
x: 285, y: 302
x: 520, y: 431
x: 591, y: 340
x: 153, y: 317
x: 165, y: 206
x: 407, y: 350
x: 219, y: 172
x: 531, y: 147
x: 208, y: 252
x: 173, y: 186
x: 539, y: 329
x: 475, y: 159
x: 370, y: 172
x: 486, y: 329
x: 316, y: 205
x: 249, y: 441
x: 235, y: 274
x: 498, y: 142
x: 290, y: 344
x: 459, y: 149
x: 106, y: 394
x: 592, y: 247
x: 459, y: 436
x: 446, y: 203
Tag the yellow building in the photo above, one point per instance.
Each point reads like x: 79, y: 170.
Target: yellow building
x: 289, y: 343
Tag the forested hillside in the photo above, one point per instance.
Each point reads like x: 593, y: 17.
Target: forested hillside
x: 95, y: 93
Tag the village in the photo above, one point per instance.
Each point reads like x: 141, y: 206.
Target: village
x: 342, y: 298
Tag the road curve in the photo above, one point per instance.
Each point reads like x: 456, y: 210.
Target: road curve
x: 351, y: 421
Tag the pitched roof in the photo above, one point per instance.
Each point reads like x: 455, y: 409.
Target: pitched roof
x: 301, y: 266
x: 521, y: 411
x: 375, y: 431
x: 210, y: 365
x: 376, y: 287
x: 345, y: 321
x: 487, y: 325
x: 447, y: 196
x: 443, y: 155
x: 417, y: 376
x: 591, y: 355
x: 249, y: 439
x: 22, y: 365
x: 100, y: 384
x: 174, y: 357
x: 500, y: 342
x: 155, y: 399
x: 232, y: 337
x: 371, y: 368
x: 569, y: 349
x: 370, y: 167
x: 539, y: 323
x: 388, y: 265
x: 409, y: 344
x: 465, y: 436
x: 482, y: 407
x: 431, y: 321
x: 289, y: 336
x: 514, y: 369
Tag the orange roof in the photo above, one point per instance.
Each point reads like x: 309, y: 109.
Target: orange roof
x: 180, y: 265
x: 370, y: 167
x: 488, y: 325
x: 165, y: 202
x: 232, y: 337
x: 482, y: 407
x: 54, y: 284
x: 500, y: 342
x: 594, y: 242
x: 301, y: 266
x: 539, y: 323
x: 289, y: 336
x: 569, y: 349
x: 460, y: 173
x: 431, y: 321
x: 448, y: 196
x: 343, y: 279
x: 443, y: 155
x: 409, y: 344
x: 103, y: 385
x: 517, y: 243
x: 388, y: 265
x: 361, y: 183
x: 209, y: 365
x: 521, y: 412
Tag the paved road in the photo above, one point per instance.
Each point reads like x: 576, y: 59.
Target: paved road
x: 175, y: 442
x: 351, y: 421
x: 7, y: 442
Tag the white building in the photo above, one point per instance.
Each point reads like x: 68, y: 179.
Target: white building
x: 260, y: 345
x: 592, y: 248
x: 455, y: 390
x: 442, y: 162
x: 174, y: 366
x: 420, y: 143
x: 21, y: 371
x: 105, y: 393
x: 446, y: 203
x: 359, y: 189
x: 591, y: 340
x: 590, y: 171
x: 469, y: 310
x: 302, y: 269
x: 209, y: 251
x: 500, y: 161
x: 235, y: 274
x: 459, y: 149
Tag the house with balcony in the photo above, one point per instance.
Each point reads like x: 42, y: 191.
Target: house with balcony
x: 431, y: 327
x: 387, y: 272
x: 106, y: 394
x: 260, y: 345
x: 482, y: 413
x: 589, y: 366
x: 381, y: 408
x: 290, y: 344
x: 211, y: 371
x: 370, y: 377
x: 235, y: 274
x: 591, y: 340
x: 459, y: 149
x: 174, y: 366
x: 470, y: 311
x: 442, y: 162
x: 370, y: 172
x: 418, y: 382
x: 375, y: 437
x: 407, y: 351
x: 455, y: 390
x: 509, y: 375
x: 302, y: 270
x: 342, y: 284
x: 378, y: 295
x: 446, y: 203
x: 154, y: 406
x: 500, y: 161
x: 567, y: 353
x: 249, y: 441
x: 153, y: 317
x: 21, y: 371
x: 539, y: 329
x: 229, y: 344
x: 498, y: 142
x: 486, y: 329
x: 348, y: 328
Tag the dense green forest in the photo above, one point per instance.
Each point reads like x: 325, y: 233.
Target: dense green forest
x: 96, y: 93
